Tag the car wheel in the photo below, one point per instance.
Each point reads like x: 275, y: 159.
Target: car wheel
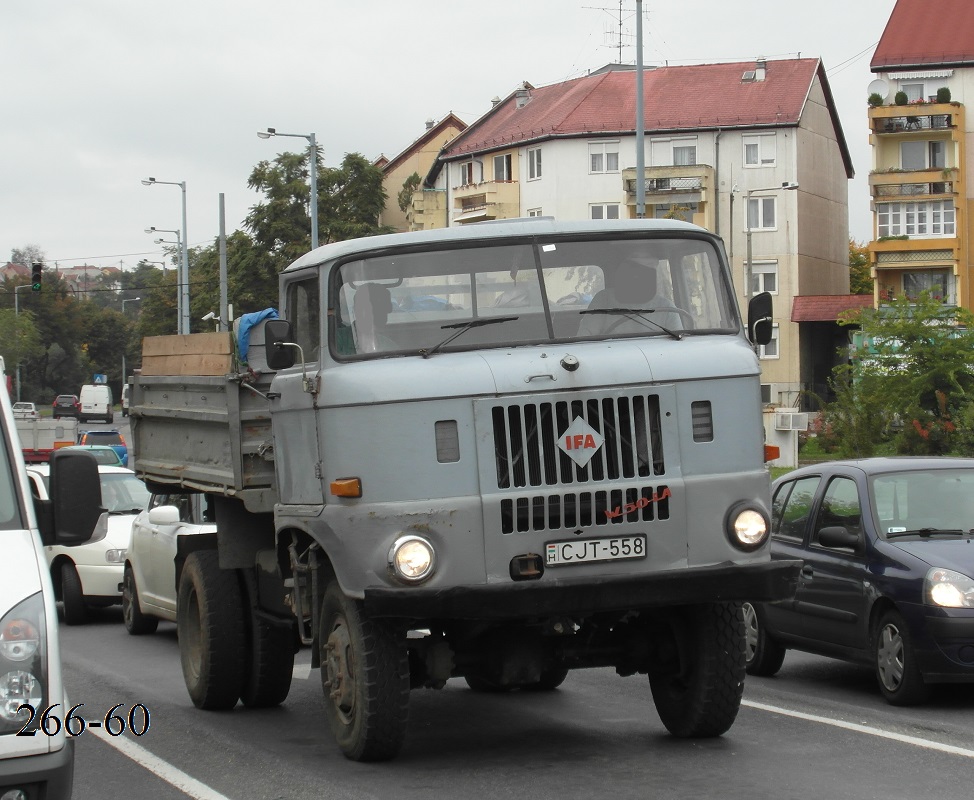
x: 136, y: 623
x: 763, y: 655
x: 209, y: 624
x: 550, y: 680
x: 899, y: 676
x: 271, y: 662
x: 72, y: 596
x: 365, y: 678
x: 698, y: 680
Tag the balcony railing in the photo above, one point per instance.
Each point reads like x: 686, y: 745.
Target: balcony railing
x: 913, y: 122
x: 913, y: 189
x: 663, y: 185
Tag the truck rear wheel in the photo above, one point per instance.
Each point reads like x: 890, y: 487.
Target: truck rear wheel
x: 697, y: 688
x: 210, y: 625
x: 271, y: 662
x: 365, y: 678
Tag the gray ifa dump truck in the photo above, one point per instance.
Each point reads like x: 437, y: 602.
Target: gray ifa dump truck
x: 496, y: 452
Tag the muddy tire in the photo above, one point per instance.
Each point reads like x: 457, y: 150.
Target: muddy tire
x: 136, y: 623
x: 72, y: 596
x: 210, y: 625
x: 698, y: 683
x: 365, y: 679
x: 271, y: 662
x: 763, y: 655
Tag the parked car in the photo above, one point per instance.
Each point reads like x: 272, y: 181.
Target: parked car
x: 102, y: 452
x: 25, y: 411
x: 66, y: 405
x: 149, y: 582
x: 888, y: 579
x: 110, y: 438
x: 91, y: 574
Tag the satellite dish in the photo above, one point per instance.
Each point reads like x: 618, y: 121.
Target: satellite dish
x: 880, y: 87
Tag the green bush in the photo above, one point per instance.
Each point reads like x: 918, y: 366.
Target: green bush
x: 875, y: 99
x: 943, y: 95
x: 900, y: 98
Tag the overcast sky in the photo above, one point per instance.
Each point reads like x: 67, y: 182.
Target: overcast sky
x: 99, y: 94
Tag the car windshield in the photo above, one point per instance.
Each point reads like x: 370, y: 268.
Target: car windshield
x: 419, y: 303
x: 123, y: 493
x: 924, y: 503
x: 105, y: 455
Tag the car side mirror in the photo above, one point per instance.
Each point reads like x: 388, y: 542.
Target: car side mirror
x: 278, y: 346
x: 760, y: 322
x: 164, y: 515
x: 837, y: 536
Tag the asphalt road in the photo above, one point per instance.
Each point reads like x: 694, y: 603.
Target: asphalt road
x: 819, y: 729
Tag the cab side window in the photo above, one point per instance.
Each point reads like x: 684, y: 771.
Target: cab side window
x: 792, y: 507
x: 303, y: 311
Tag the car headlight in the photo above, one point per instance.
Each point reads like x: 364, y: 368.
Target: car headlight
x: 412, y: 558
x: 949, y: 589
x: 747, y: 527
x: 115, y: 556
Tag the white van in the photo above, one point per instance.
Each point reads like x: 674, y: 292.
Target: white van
x: 38, y: 764
x: 97, y: 402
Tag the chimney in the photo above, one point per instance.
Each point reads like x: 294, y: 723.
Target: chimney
x: 494, y: 101
x: 430, y: 124
x: 760, y: 68
x: 522, y: 96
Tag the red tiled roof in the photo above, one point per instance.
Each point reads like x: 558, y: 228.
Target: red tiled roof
x: 925, y: 34
x: 704, y: 96
x: 827, y: 307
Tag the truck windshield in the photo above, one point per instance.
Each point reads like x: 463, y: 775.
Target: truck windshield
x: 414, y: 303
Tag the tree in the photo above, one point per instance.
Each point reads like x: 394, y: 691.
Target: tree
x: 860, y: 280
x: 914, y: 370
x: 405, y: 197
x: 27, y: 255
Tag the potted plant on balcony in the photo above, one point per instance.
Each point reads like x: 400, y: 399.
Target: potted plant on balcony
x: 875, y: 99
x: 943, y: 94
x: 900, y: 98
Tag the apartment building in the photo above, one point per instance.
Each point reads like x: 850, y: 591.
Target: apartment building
x: 924, y: 67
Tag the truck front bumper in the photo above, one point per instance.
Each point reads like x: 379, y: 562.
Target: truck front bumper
x: 775, y: 580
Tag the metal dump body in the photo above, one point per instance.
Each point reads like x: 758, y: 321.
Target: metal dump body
x: 199, y: 423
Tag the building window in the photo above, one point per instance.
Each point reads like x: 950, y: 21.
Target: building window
x: 759, y: 151
x: 914, y: 91
x: 603, y: 156
x: 673, y: 152
x: 770, y: 350
x: 923, y: 155
x: 764, y: 277
x: 534, y: 163
x: 684, y: 155
x: 605, y: 210
x: 503, y: 168
x: 534, y: 212
x: 938, y: 284
x: 761, y: 213
x: 934, y: 218
x: 466, y: 173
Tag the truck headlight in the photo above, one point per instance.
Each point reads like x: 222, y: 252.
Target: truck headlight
x: 949, y: 589
x: 412, y: 558
x: 747, y: 527
x: 23, y: 662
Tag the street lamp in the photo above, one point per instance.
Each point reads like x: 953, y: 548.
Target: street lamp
x: 183, y: 295
x: 125, y: 344
x: 787, y: 186
x: 313, y: 148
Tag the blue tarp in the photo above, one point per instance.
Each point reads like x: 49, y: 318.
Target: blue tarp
x: 247, y: 323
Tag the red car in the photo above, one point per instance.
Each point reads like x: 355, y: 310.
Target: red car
x: 66, y: 405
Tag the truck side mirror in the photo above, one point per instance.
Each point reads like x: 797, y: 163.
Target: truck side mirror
x: 277, y: 336
x: 72, y: 513
x: 760, y: 322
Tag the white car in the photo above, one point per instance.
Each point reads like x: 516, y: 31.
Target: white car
x: 25, y: 411
x: 91, y: 574
x: 149, y: 583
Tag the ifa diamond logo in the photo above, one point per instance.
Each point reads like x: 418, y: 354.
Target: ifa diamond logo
x: 580, y: 442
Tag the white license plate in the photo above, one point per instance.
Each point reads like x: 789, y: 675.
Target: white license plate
x: 584, y: 551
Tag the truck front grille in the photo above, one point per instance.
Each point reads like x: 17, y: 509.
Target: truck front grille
x: 584, y: 509
x: 526, y: 435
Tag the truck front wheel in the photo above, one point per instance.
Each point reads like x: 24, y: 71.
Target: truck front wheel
x: 699, y: 680
x: 210, y: 625
x: 365, y: 679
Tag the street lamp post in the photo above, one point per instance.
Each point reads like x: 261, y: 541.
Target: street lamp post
x: 125, y: 343
x: 748, y: 266
x: 184, y: 276
x: 17, y: 329
x: 313, y: 148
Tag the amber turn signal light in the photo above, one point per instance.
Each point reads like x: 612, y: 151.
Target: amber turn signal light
x: 347, y: 487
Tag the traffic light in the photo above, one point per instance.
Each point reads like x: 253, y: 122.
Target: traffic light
x: 35, y: 275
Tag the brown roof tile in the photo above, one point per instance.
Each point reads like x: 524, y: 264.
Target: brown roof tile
x: 925, y: 34
x: 827, y: 307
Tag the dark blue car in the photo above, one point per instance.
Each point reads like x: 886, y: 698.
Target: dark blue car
x: 888, y: 576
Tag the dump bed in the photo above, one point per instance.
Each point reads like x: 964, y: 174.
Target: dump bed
x: 41, y: 437
x: 201, y: 422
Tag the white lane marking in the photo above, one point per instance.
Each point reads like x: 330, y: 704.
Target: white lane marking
x: 866, y: 729
x: 170, y: 774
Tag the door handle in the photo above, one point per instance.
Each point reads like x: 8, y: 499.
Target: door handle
x: 808, y: 572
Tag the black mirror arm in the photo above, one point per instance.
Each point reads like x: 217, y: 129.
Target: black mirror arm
x: 310, y: 385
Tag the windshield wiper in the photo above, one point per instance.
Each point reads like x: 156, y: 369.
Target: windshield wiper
x: 463, y: 328
x: 926, y: 533
x: 635, y: 314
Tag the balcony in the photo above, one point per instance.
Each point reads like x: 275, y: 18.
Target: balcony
x: 691, y: 182
x: 486, y: 200
x: 905, y: 184
x: 915, y: 117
